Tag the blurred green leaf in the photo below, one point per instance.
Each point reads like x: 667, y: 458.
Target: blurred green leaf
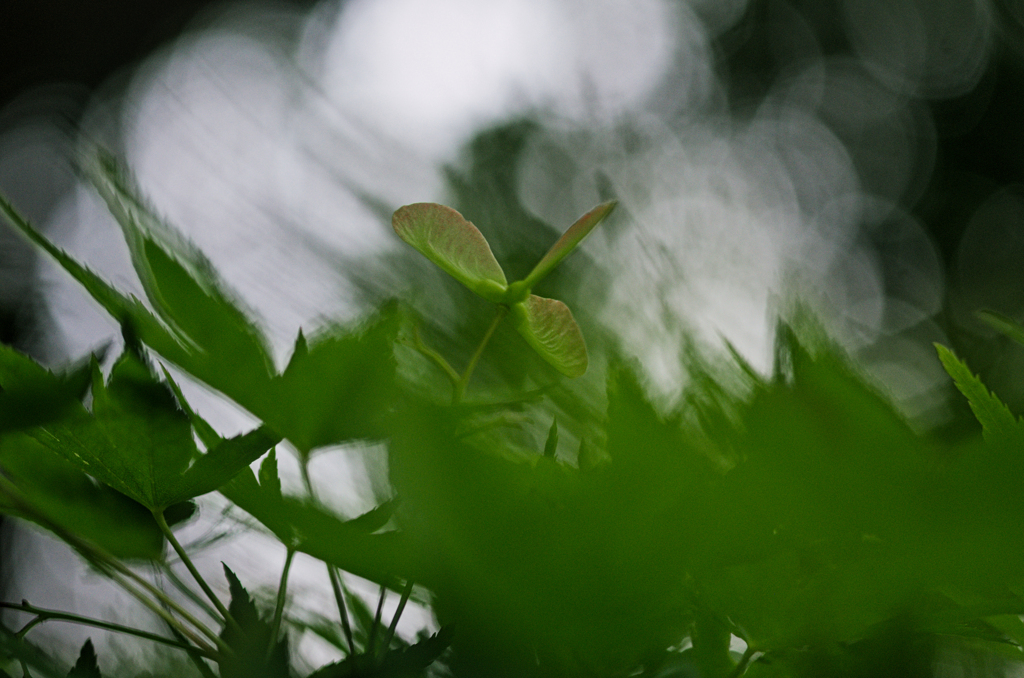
x: 996, y: 419
x: 204, y: 431
x: 221, y: 463
x: 137, y: 440
x: 54, y: 492
x: 548, y: 327
x: 307, y: 527
x: 529, y: 558
x: 1011, y: 626
x: 270, y: 482
x: 551, y: 444
x: 332, y: 391
x: 1007, y: 326
x: 336, y: 389
x: 832, y: 485
x: 407, y: 662
x: 261, y: 502
x: 127, y: 310
x: 223, y: 347
x: 31, y: 395
x: 227, y: 351
x: 446, y: 238
x: 376, y: 518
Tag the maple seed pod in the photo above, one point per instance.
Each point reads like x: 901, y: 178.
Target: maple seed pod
x: 458, y: 247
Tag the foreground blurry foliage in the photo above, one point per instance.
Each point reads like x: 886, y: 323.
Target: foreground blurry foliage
x: 799, y: 512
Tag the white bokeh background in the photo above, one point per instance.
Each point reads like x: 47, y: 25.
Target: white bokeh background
x: 258, y: 133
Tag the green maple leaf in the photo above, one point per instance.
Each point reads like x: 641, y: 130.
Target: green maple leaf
x: 86, y: 666
x: 995, y: 417
x: 252, y: 657
x: 139, y: 442
x: 446, y: 238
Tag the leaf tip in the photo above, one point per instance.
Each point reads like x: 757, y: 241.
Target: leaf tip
x: 551, y: 445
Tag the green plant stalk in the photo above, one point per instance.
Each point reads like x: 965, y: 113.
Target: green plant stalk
x: 389, y: 636
x: 339, y: 598
x: 460, y: 386
x: 228, y: 619
x: 371, y: 642
x: 123, y: 576
x: 44, y: 615
x: 23, y: 631
x: 711, y: 637
x: 744, y: 662
x: 282, y: 592
x: 120, y: 571
x: 182, y: 587
x: 332, y: 571
x: 307, y: 481
x: 432, y: 355
x: 193, y: 655
x: 27, y: 654
x: 202, y: 645
x: 115, y: 570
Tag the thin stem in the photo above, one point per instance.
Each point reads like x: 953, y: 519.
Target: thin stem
x: 332, y: 572
x: 201, y: 644
x: 124, y: 576
x: 194, y: 655
x: 509, y: 420
x: 183, y: 588
x: 527, y: 396
x: 32, y: 623
x: 113, y: 568
x: 406, y: 592
x: 35, y: 621
x: 282, y: 591
x: 45, y: 615
x: 432, y: 355
x: 183, y: 555
x: 460, y: 386
x: 339, y: 597
x: 120, y: 571
x: 25, y: 653
x: 741, y: 667
x: 307, y: 482
x: 371, y: 648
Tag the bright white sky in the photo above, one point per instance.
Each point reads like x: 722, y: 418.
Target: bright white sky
x: 429, y: 72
